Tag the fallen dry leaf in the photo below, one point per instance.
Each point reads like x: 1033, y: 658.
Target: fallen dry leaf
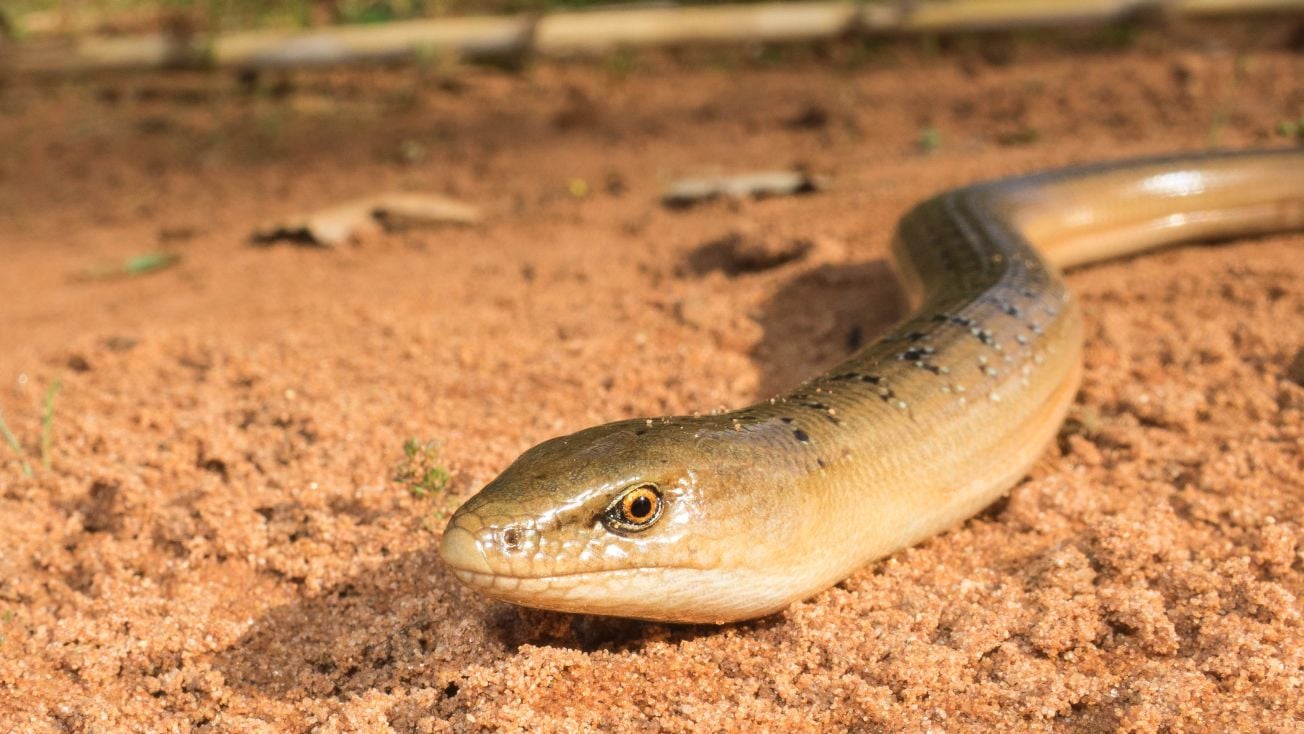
x: 689, y: 191
x: 357, y: 219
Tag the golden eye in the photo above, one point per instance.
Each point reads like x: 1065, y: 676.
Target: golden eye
x: 636, y: 509
x: 640, y: 505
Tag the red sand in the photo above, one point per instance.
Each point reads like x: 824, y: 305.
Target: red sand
x: 220, y: 544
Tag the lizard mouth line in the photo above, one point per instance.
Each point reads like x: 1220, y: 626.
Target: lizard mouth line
x: 477, y: 578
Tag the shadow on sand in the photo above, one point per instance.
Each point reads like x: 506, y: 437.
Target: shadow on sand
x: 402, y: 625
x: 820, y: 317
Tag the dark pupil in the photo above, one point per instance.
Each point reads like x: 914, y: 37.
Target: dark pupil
x: 640, y: 508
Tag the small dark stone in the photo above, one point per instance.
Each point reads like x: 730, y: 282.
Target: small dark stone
x: 811, y: 117
x: 216, y: 466
x: 615, y: 184
x: 119, y: 343
x: 98, y: 508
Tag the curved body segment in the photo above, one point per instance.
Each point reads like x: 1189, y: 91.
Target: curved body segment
x: 733, y: 516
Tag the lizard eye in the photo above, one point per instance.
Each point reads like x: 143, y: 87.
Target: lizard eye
x: 636, y: 509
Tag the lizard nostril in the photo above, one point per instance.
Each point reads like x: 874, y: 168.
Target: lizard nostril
x: 512, y: 537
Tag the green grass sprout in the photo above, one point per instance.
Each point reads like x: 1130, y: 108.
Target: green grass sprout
x: 17, y: 447
x: 420, y: 470
x: 47, y: 422
x: 149, y: 262
x: 134, y: 266
x: 930, y: 140
x: 1292, y: 129
x: 47, y: 431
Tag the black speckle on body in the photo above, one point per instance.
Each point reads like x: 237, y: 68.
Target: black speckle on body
x: 914, y: 354
x: 854, y: 339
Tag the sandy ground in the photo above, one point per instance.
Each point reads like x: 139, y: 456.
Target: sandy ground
x: 220, y: 543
